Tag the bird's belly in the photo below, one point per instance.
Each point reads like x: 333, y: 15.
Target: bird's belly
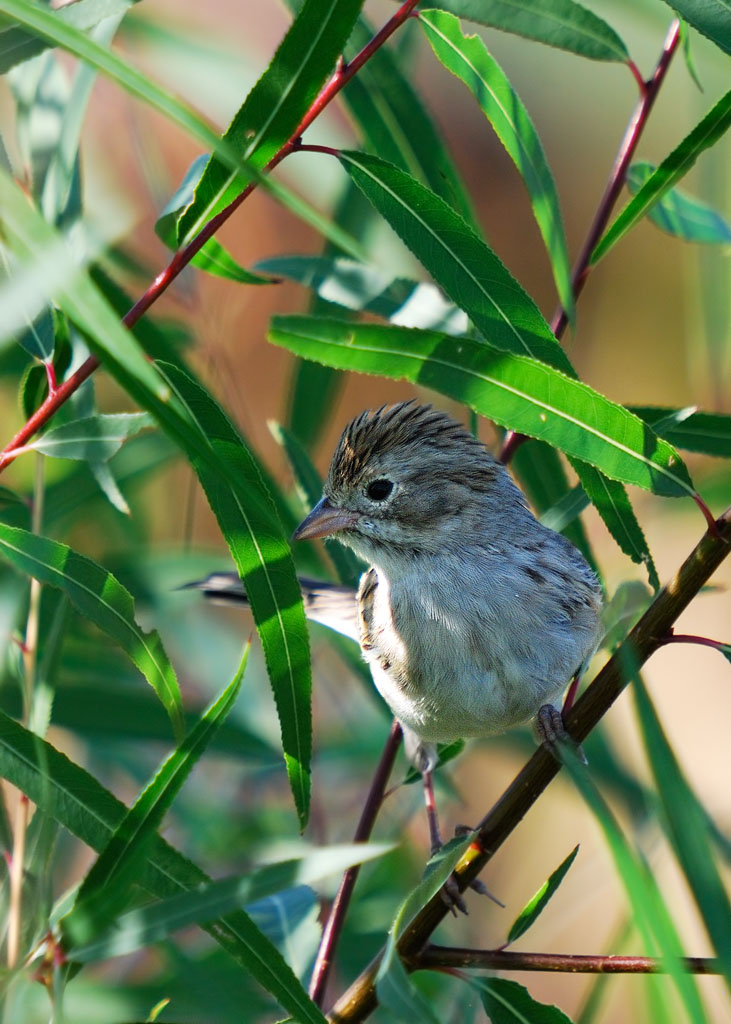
x: 462, y: 701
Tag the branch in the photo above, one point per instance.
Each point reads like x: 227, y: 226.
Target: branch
x: 614, y: 186
x: 444, y: 957
x: 336, y: 917
x: 182, y: 258
x: 643, y: 640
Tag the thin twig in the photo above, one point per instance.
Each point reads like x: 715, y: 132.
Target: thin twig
x: 181, y: 259
x: 614, y: 186
x: 439, y: 957
x: 30, y: 660
x: 643, y: 640
x: 336, y: 917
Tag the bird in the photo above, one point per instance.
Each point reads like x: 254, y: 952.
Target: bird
x: 472, y: 616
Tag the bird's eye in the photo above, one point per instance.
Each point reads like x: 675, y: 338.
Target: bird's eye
x: 378, y: 490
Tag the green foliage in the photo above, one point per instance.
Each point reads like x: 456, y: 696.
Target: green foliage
x: 120, y: 480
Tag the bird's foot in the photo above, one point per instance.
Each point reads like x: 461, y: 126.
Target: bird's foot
x: 552, y: 731
x: 450, y: 891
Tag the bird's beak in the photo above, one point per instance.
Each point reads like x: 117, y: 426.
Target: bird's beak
x: 323, y: 520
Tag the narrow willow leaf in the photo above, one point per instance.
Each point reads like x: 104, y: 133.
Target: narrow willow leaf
x: 250, y: 524
x: 630, y: 600
x: 561, y: 23
x: 108, y: 885
x: 392, y: 983
x: 535, y: 906
x: 468, y: 58
x: 363, y: 287
x: 101, y: 598
x: 58, y: 32
x: 705, y: 432
x: 276, y: 105
x: 674, y: 167
x: 649, y: 908
x: 711, y: 17
x: 680, y: 214
x: 507, y: 1002
x: 613, y: 504
x: 18, y: 45
x: 398, y: 127
x: 686, y: 823
x: 93, y: 438
x: 156, y: 921
x: 459, y: 261
x: 77, y: 801
x: 213, y: 257
x: 514, y: 391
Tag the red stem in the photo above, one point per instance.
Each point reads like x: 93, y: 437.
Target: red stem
x: 341, y: 76
x: 443, y: 957
x: 688, y: 638
x: 336, y: 917
x: 626, y: 151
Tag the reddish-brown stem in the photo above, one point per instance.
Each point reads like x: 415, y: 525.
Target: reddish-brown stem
x: 181, y: 259
x: 689, y: 638
x: 626, y: 151
x: 445, y: 957
x: 336, y: 917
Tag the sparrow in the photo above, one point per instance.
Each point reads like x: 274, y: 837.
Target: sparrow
x: 473, y: 617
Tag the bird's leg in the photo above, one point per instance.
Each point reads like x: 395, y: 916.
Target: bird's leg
x: 552, y: 731
x: 435, y: 836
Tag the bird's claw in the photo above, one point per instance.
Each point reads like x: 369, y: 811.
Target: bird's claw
x: 552, y: 731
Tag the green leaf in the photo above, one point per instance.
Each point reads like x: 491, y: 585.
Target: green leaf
x: 649, y: 909
x: 705, y: 432
x: 394, y: 989
x: 630, y: 600
x: 468, y: 59
x: 674, y: 167
x: 93, y: 438
x: 77, y: 801
x: 507, y: 1002
x: 102, y: 599
x: 363, y: 287
x: 107, y: 886
x: 276, y: 105
x: 17, y: 44
x: 686, y: 824
x: 535, y: 906
x: 459, y: 261
x: 711, y: 17
x: 142, y: 926
x: 398, y: 127
x: 251, y: 526
x: 560, y: 23
x: 512, y: 390
x: 59, y: 32
x: 680, y: 214
x: 213, y: 257
x: 613, y: 504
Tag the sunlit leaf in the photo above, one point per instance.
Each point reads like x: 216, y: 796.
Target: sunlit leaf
x: 468, y: 58
x: 514, y: 391
x: 507, y: 1002
x: 705, y: 432
x: 560, y: 23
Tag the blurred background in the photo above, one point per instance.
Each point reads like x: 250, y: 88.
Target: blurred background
x: 652, y: 328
